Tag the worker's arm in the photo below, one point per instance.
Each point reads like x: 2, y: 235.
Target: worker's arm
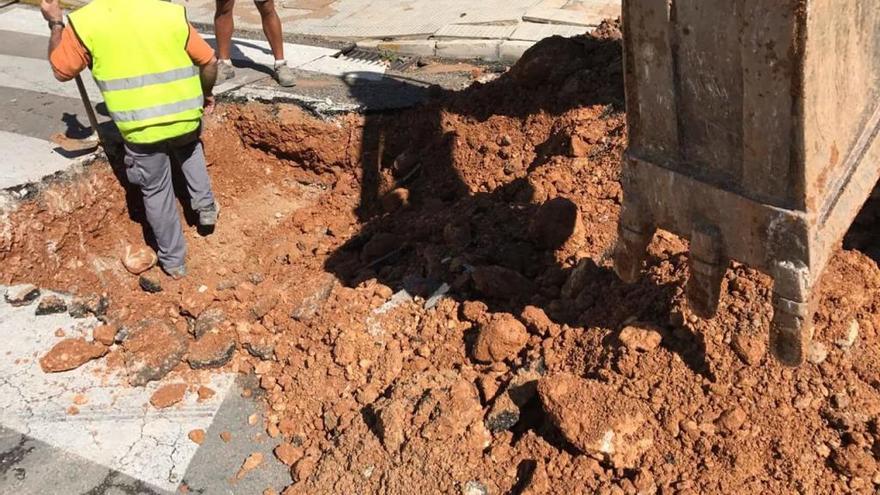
x: 67, y: 55
x: 202, y: 55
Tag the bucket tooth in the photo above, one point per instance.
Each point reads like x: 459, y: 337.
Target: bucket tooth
x: 707, y: 269
x: 791, y: 330
x: 632, y: 248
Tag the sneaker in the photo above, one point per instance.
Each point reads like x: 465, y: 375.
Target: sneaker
x: 176, y: 273
x: 284, y: 76
x: 225, y: 71
x: 209, y: 214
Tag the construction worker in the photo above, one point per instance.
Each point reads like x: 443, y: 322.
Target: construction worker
x: 224, y: 25
x: 156, y: 75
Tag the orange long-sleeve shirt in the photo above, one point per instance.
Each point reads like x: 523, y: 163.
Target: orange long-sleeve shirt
x: 70, y: 57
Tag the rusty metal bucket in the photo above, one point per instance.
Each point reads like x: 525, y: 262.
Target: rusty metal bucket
x: 753, y: 131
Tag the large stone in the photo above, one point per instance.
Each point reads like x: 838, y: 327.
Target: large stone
x: 556, y: 222
x: 22, y: 295
x: 70, y: 354
x: 500, y: 339
x: 152, y: 349
x: 596, y: 419
x: 137, y: 260
x: 51, y: 305
x: 212, y: 350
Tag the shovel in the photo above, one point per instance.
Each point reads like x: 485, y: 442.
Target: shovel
x: 85, y: 144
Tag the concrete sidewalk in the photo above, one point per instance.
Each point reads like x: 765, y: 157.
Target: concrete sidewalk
x: 490, y: 30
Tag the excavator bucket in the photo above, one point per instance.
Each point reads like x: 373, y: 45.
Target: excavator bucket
x: 753, y: 129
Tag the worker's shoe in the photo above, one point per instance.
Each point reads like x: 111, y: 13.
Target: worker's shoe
x: 225, y: 70
x: 177, y: 272
x: 284, y: 75
x: 208, y: 215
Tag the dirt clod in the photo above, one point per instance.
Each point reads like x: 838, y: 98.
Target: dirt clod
x: 500, y: 339
x: 168, y: 395
x: 641, y: 338
x: 70, y: 354
x: 105, y: 334
x: 205, y: 393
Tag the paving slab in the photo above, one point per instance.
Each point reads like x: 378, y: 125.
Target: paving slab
x: 43, y: 159
x: 469, y: 49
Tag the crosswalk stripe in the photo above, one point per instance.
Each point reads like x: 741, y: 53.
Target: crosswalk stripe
x: 115, y: 427
x: 35, y: 75
x: 43, y: 159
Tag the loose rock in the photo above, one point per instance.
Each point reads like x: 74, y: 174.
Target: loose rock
x: 152, y: 349
x: 818, y: 353
x: 250, y: 464
x: 51, y: 305
x: 137, y: 260
x: 536, y: 320
x: 750, y: 348
x: 197, y: 436
x: 641, y: 338
x: 105, y: 334
x: 150, y: 282
x: 71, y: 354
x: 168, y: 395
x: 732, y: 420
x: 205, y: 393
x: 22, y: 295
x: 500, y: 339
x: 288, y: 454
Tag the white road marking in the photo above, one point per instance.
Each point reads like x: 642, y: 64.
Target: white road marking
x: 32, y: 158
x: 116, y: 428
x: 32, y: 74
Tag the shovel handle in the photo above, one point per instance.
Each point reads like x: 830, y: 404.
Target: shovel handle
x: 93, y: 121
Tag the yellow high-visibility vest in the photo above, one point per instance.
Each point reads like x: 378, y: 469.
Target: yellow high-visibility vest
x: 139, y: 61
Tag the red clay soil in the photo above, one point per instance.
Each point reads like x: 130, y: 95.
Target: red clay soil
x: 508, y: 193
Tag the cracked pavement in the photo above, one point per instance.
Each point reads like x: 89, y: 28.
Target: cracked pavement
x: 116, y: 443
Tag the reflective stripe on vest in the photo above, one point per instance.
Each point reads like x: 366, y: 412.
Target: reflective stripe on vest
x: 158, y: 110
x: 146, y: 80
x: 139, y: 61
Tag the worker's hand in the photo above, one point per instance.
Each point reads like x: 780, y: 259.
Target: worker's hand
x: 209, y: 104
x: 51, y: 10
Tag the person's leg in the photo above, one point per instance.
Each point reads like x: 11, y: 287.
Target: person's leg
x: 191, y: 157
x: 224, y: 25
x: 151, y: 171
x: 271, y: 27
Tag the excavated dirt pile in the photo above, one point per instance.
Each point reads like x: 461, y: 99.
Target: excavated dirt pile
x: 427, y: 300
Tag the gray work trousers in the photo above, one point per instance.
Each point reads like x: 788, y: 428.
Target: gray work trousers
x: 149, y: 168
